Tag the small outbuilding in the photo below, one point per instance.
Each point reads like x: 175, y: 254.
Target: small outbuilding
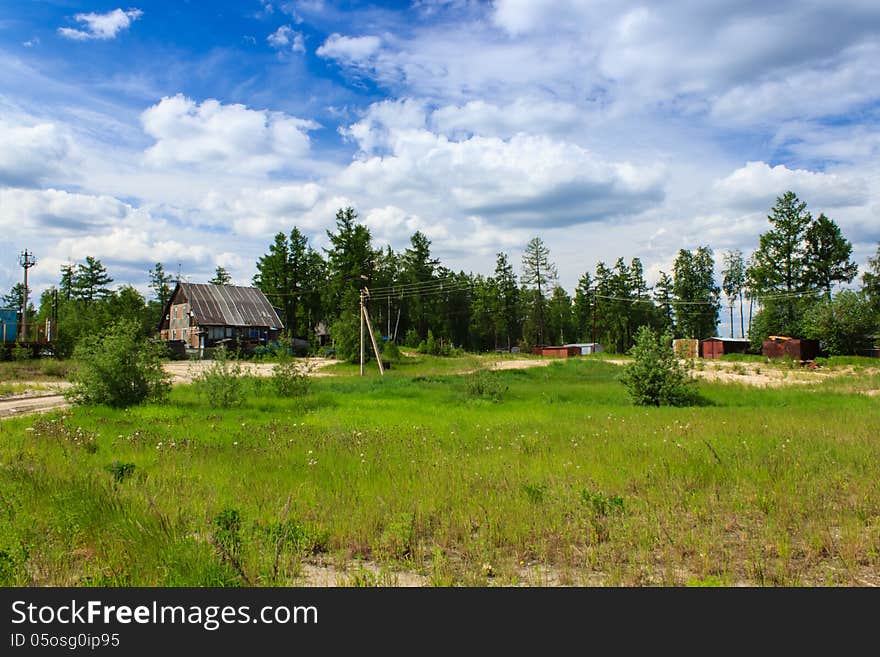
x: 587, y: 347
x: 557, y: 351
x: 717, y: 347
x: 780, y: 346
x: 686, y: 348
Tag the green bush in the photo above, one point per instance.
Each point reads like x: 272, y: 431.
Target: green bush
x: 119, y: 368
x: 391, y: 352
x: 485, y: 384
x: 20, y: 353
x: 222, y: 383
x: 411, y: 339
x: 655, y: 377
x: 290, y: 378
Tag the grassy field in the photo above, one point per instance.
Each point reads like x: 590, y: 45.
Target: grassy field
x: 418, y: 477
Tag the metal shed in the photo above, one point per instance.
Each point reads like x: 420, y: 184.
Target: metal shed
x: 717, y: 347
x: 779, y: 346
x: 557, y: 351
x: 587, y: 347
x: 686, y: 347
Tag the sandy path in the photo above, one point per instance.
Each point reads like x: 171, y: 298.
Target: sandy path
x: 46, y: 396
x: 183, y: 371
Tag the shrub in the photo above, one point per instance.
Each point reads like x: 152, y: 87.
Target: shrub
x: 391, y: 352
x: 655, y: 377
x: 291, y: 379
x: 411, y: 339
x: 221, y: 384
x: 485, y: 384
x: 20, y: 353
x: 119, y: 368
x: 120, y: 471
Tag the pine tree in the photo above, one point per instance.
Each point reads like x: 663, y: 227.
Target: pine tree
x: 160, y: 283
x: 419, y: 269
x: 779, y: 271
x: 583, y: 308
x: 91, y: 281
x: 871, y: 281
x: 827, y: 255
x: 506, y: 307
x: 733, y: 281
x: 221, y: 277
x: 664, y: 293
x: 539, y: 272
x: 696, y: 295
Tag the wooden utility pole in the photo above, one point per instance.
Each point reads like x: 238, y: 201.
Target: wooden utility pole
x: 366, y: 315
x: 595, y: 305
x: 362, y: 332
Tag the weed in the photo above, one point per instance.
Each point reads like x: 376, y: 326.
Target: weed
x: 601, y: 504
x: 120, y: 471
x: 292, y: 379
x: 221, y: 384
x: 534, y: 492
x: 485, y: 384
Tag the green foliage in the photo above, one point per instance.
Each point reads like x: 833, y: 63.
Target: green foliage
x: 655, y: 377
x: 221, y: 384
x: 844, y: 326
x: 346, y: 338
x: 697, y: 296
x: 227, y: 532
x: 120, y: 471
x: 221, y: 277
x: 485, y: 384
x: 601, y: 504
x: 535, y: 493
x: 20, y: 353
x: 411, y: 339
x: 391, y: 352
x: 292, y: 275
x: 119, y: 368
x: 290, y: 378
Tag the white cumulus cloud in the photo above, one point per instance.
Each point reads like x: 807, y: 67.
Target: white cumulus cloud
x: 286, y: 37
x: 351, y: 51
x: 101, y: 26
x: 216, y: 137
x: 756, y: 185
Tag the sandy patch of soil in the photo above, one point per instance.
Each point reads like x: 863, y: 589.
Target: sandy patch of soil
x: 520, y: 364
x: 362, y: 572
x: 186, y: 371
x: 40, y: 396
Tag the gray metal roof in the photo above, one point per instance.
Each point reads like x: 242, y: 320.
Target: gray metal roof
x: 229, y: 305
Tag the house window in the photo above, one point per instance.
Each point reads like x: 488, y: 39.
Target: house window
x: 183, y: 333
x: 228, y: 331
x: 254, y: 333
x: 173, y: 334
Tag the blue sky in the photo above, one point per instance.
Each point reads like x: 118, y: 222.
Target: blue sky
x: 191, y: 132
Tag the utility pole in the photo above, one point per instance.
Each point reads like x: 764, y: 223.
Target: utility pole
x: 595, y: 305
x: 366, y: 315
x: 27, y: 260
x: 362, y: 332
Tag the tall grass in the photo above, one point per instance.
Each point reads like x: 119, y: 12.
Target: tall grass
x: 414, y: 472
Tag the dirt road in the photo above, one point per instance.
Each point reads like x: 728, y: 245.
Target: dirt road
x: 40, y: 396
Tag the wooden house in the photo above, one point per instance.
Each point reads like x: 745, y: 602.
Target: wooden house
x: 203, y: 315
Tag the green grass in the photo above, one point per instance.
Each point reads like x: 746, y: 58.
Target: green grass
x: 563, y: 476
x: 36, y: 369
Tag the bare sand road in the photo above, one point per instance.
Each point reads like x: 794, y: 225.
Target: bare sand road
x: 40, y: 396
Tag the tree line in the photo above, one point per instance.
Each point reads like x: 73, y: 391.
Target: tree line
x: 785, y: 287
